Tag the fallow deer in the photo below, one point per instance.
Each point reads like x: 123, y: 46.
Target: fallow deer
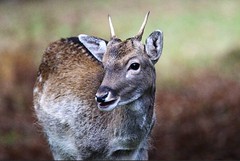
x: 95, y: 98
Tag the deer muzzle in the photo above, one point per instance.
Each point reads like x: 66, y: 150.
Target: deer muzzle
x: 106, y: 99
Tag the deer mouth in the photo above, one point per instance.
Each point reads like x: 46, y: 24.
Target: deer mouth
x: 108, y: 105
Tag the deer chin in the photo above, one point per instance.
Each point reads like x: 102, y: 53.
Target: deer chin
x: 108, y: 105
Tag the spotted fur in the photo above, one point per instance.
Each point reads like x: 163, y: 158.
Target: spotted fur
x: 68, y: 79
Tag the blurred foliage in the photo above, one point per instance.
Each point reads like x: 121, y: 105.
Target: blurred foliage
x: 199, y: 120
x: 198, y: 74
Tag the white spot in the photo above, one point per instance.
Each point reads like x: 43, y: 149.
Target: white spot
x: 143, y: 121
x: 40, y: 78
x: 63, y: 121
x: 35, y: 90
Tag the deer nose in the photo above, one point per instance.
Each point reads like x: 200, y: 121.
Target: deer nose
x: 100, y: 97
x: 102, y: 94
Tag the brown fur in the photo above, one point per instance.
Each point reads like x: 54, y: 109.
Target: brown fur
x: 69, y: 78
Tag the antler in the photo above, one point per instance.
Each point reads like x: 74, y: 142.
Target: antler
x: 140, y: 32
x: 111, y: 28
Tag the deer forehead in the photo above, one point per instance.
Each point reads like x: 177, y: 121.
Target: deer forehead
x: 120, y: 52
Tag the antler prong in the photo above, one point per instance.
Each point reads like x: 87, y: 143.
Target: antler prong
x: 140, y: 32
x: 111, y: 27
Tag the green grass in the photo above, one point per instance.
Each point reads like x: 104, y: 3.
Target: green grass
x: 197, y: 34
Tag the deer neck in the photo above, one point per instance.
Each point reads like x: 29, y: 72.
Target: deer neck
x: 137, y: 115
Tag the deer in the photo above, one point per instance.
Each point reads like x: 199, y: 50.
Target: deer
x: 94, y: 99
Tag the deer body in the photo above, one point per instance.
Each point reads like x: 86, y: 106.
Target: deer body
x: 95, y: 99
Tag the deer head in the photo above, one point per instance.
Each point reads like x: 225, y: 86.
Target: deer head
x: 129, y: 71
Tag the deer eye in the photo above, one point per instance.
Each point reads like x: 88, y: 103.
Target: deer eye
x: 134, y: 66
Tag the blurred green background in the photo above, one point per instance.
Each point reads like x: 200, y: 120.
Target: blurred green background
x: 198, y: 95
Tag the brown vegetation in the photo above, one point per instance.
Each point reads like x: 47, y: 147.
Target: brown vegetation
x: 19, y: 137
x: 197, y: 120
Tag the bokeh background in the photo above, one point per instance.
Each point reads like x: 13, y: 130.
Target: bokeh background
x: 198, y: 78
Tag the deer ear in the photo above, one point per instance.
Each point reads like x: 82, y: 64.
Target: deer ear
x: 154, y: 45
x: 95, y: 45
